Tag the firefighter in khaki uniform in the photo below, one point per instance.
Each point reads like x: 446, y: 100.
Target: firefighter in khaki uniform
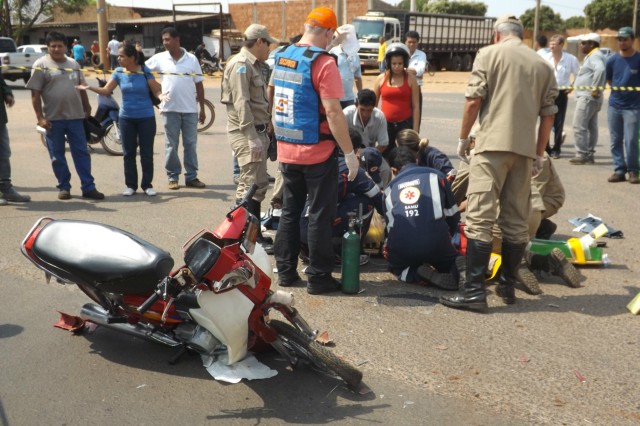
x: 510, y: 86
x: 249, y: 120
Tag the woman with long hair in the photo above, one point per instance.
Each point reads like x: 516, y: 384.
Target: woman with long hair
x: 137, y: 118
x: 428, y: 156
x: 397, y: 92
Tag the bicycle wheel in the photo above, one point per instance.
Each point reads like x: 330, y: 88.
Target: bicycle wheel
x: 209, y: 116
x: 320, y: 358
x: 111, y: 142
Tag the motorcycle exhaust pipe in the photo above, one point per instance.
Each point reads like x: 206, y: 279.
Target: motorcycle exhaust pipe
x: 97, y: 315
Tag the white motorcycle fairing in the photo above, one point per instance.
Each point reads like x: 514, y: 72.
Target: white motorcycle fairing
x: 261, y: 259
x: 226, y: 316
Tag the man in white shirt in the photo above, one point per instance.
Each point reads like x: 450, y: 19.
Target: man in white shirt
x: 566, y: 68
x: 371, y: 124
x: 417, y: 61
x: 180, y: 112
x: 113, y: 47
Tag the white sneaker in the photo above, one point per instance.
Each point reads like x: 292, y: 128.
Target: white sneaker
x: 128, y: 192
x: 150, y: 192
x: 364, y: 259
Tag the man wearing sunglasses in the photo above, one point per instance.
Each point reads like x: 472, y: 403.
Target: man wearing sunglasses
x: 588, y: 83
x: 623, y: 72
x: 244, y: 92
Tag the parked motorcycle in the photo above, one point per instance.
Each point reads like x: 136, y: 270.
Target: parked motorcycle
x: 102, y: 127
x: 211, y: 66
x: 219, y: 301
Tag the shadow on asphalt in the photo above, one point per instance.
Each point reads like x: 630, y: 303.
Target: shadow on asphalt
x: 298, y: 395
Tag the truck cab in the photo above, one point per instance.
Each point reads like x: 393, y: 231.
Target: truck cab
x: 369, y: 29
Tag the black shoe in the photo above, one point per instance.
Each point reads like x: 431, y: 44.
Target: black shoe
x: 92, y: 195
x: 14, y: 196
x: 561, y: 267
x: 546, y: 229
x: 528, y: 281
x: 266, y: 243
x: 507, y: 292
x: 429, y: 275
x: 195, y: 183
x: 325, y: 284
x: 464, y: 300
x: 290, y: 282
x: 271, y: 178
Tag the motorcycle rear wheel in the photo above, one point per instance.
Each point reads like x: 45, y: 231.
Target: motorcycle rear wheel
x: 321, y: 358
x: 112, y: 141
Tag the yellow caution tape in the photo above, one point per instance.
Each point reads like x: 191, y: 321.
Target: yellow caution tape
x: 86, y: 70
x: 591, y: 88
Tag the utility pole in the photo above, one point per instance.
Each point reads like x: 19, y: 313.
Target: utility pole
x: 103, y: 33
x: 536, y: 22
x: 635, y: 17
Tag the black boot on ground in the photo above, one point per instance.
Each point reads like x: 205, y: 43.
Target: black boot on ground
x: 546, y: 229
x: 472, y: 296
x: 266, y: 242
x: 511, y: 259
x: 554, y: 263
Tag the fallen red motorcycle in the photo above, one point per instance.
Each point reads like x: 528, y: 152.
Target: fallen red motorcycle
x: 218, y: 302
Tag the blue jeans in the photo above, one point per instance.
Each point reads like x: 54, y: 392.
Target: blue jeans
x: 187, y: 123
x: 5, y: 163
x: 138, y: 132
x: 77, y: 138
x: 624, y: 125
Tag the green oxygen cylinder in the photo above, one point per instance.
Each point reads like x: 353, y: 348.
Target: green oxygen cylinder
x: 351, y: 260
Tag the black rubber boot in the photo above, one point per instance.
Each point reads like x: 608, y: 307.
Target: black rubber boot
x: 266, y: 242
x: 472, y: 296
x: 554, y: 263
x: 512, y: 255
x: 461, y: 264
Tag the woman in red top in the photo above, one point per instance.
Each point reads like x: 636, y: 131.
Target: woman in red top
x: 398, y: 92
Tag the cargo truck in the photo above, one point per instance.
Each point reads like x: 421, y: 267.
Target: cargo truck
x: 450, y: 41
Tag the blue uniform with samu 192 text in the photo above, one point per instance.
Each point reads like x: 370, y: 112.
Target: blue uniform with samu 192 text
x: 421, y: 215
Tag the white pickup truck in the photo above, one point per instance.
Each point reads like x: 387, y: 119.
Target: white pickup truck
x: 10, y: 57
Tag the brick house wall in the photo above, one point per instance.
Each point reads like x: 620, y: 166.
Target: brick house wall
x: 270, y: 15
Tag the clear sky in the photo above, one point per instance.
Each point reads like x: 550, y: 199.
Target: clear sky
x: 566, y: 8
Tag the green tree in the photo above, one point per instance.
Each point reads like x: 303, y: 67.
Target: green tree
x: 405, y: 4
x: 25, y: 13
x: 575, y: 22
x: 609, y: 14
x: 473, y: 8
x: 549, y: 20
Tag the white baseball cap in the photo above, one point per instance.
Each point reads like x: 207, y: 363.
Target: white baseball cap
x: 590, y: 37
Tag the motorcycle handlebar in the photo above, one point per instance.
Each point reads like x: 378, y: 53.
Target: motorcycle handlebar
x: 249, y: 195
x: 149, y: 302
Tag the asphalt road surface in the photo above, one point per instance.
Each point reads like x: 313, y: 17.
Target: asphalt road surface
x: 568, y: 356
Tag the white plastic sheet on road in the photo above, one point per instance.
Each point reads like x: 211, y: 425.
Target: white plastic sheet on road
x: 248, y: 368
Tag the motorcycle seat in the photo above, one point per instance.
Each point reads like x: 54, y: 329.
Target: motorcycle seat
x: 102, y: 256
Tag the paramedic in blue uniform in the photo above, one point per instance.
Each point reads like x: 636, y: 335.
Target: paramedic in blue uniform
x: 309, y: 123
x: 421, y: 216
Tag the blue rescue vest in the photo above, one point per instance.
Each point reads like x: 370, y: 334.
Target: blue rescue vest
x: 296, y: 103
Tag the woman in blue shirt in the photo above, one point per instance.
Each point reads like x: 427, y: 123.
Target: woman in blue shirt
x: 137, y: 118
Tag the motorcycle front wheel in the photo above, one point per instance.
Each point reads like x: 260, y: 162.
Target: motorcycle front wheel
x: 112, y: 142
x: 321, y: 359
x: 209, y: 116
